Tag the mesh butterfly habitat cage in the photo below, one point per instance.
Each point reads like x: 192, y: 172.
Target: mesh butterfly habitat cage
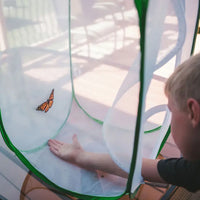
x: 105, y: 63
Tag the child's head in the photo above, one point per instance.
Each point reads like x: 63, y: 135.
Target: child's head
x: 183, y: 92
x: 184, y: 83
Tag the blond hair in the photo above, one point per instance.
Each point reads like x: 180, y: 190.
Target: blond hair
x: 184, y: 83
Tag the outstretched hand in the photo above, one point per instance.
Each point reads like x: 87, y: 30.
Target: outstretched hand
x: 75, y: 154
x: 66, y: 151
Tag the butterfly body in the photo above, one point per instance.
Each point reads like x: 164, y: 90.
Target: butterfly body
x: 47, y: 104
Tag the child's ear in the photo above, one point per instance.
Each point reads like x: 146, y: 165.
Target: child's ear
x: 194, y: 111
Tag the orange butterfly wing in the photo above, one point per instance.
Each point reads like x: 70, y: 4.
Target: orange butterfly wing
x: 47, y: 108
x: 47, y: 104
x: 42, y: 106
x: 51, y: 97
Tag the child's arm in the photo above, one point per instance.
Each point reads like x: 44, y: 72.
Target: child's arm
x: 104, y: 162
x: 99, y: 161
x: 150, y: 171
x: 75, y: 154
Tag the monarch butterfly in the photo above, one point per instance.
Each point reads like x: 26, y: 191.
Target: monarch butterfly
x: 47, y: 104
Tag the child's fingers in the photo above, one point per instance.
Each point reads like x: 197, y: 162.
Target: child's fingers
x: 54, y: 150
x: 54, y: 142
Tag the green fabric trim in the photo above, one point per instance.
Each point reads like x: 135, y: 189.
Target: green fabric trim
x: 164, y: 140
x: 71, y: 72
x: 141, y: 6
x: 40, y: 175
x: 76, y: 100
x: 4, y: 135
x: 31, y: 167
x: 153, y: 130
x: 132, y: 195
x: 57, y: 133
x: 93, y: 118
x: 196, y: 30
